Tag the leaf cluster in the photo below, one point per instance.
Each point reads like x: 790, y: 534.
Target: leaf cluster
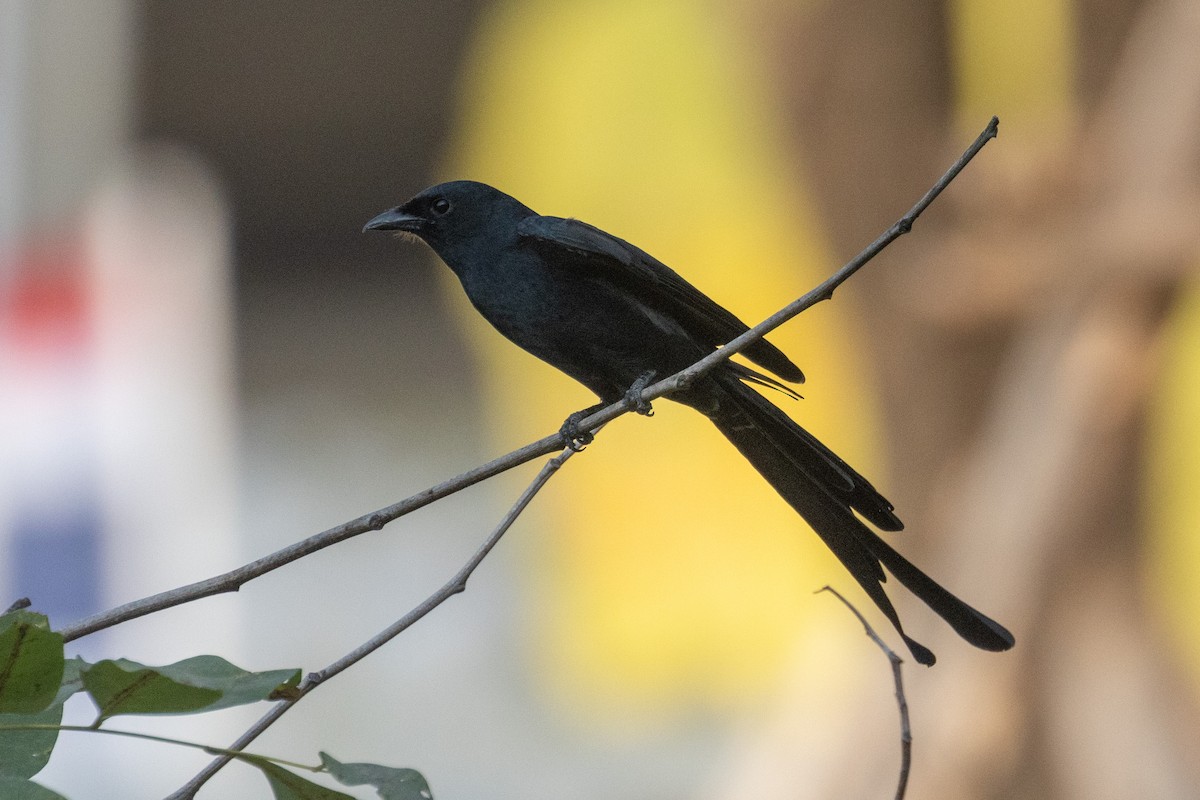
x: 36, y: 680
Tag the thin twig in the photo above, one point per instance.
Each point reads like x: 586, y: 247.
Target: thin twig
x: 896, y: 661
x: 283, y: 762
x: 455, y: 585
x: 233, y: 580
x: 825, y: 290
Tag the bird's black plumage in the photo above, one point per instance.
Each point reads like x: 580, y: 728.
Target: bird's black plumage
x: 606, y: 313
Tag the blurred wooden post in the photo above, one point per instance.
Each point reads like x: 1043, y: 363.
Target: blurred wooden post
x: 1015, y: 339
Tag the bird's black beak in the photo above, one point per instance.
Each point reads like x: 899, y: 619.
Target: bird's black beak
x: 395, y: 220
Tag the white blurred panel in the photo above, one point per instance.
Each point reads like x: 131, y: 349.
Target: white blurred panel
x: 158, y: 248
x: 161, y: 414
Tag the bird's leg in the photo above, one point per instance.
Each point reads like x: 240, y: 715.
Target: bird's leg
x: 577, y: 439
x: 572, y: 436
x: 633, y: 397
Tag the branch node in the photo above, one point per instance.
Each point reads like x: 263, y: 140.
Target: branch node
x: 19, y: 603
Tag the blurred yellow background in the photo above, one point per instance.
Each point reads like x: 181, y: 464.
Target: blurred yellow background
x: 677, y: 576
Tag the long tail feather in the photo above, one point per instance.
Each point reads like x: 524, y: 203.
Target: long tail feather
x: 825, y: 491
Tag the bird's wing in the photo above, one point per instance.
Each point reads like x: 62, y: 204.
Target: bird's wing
x: 651, y: 280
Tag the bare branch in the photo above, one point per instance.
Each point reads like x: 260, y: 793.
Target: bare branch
x: 233, y: 580
x: 455, y: 585
x: 826, y: 289
x: 375, y: 520
x: 896, y: 661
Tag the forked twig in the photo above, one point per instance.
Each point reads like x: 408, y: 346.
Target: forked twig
x: 896, y: 661
x: 455, y: 585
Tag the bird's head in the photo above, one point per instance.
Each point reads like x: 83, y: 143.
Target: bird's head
x: 453, y: 217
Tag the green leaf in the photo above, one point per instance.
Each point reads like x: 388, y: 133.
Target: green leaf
x: 31, y: 662
x: 392, y: 783
x: 23, y: 754
x: 202, y: 683
x: 22, y: 617
x: 290, y: 786
x: 17, y: 789
x: 72, y: 679
x: 238, y: 687
x: 123, y: 687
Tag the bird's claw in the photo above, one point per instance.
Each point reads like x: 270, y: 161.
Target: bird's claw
x: 572, y: 436
x: 635, y: 403
x: 633, y: 397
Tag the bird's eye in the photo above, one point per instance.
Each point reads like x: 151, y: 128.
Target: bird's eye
x: 440, y: 206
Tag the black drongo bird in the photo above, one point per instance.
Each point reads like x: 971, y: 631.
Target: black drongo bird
x: 611, y: 317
